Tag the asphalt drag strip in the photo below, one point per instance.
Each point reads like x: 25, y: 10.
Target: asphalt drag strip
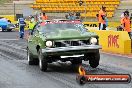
x: 16, y: 73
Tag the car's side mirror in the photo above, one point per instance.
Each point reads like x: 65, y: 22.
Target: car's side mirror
x: 38, y: 25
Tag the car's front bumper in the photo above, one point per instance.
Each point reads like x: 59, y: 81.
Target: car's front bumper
x: 72, y: 49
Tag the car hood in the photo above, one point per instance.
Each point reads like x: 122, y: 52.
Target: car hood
x: 68, y: 34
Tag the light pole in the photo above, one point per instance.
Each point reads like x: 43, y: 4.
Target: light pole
x: 14, y: 11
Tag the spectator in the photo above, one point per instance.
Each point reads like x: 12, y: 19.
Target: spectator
x: 127, y: 12
x: 120, y: 28
x: 66, y: 16
x: 125, y: 22
x: 102, y: 15
x: 72, y: 16
x: 78, y: 15
x: 44, y: 17
x: 81, y: 3
x: 31, y: 26
x: 40, y: 17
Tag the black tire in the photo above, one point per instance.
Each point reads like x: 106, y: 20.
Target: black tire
x: 94, y: 60
x: 9, y: 30
x: 82, y: 80
x: 43, y: 63
x: 3, y: 30
x: 31, y: 60
x: 76, y: 62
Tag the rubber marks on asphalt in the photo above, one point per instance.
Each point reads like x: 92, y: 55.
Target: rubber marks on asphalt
x: 25, y: 37
x: 120, y: 55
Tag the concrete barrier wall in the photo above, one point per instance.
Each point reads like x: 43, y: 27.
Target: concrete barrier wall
x: 10, y: 17
x: 94, y: 24
x: 114, y: 41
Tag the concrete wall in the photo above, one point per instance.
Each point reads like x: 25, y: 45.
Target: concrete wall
x: 8, y: 8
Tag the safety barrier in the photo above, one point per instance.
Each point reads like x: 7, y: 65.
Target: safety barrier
x: 114, y: 41
x: 10, y: 17
x: 91, y: 24
x: 96, y: 24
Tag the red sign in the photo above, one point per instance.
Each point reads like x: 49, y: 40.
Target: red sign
x: 113, y: 41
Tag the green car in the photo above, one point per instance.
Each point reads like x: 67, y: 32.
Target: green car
x: 64, y: 41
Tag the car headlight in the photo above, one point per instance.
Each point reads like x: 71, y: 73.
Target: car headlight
x: 93, y: 41
x: 49, y: 43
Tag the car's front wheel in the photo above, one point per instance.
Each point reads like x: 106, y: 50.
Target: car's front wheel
x: 43, y: 63
x: 31, y: 60
x: 94, y: 60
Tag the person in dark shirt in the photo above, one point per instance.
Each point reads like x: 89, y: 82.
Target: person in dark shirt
x: 78, y: 15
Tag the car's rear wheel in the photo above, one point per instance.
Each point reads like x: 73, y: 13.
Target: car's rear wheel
x: 3, y: 30
x: 9, y: 30
x: 94, y: 60
x: 31, y: 60
x: 43, y: 63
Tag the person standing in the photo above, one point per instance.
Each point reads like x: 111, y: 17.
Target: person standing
x: 127, y: 12
x: 22, y: 24
x: 40, y: 17
x: 31, y: 26
x: 78, y: 16
x: 101, y: 18
x: 126, y: 23
x: 72, y: 16
x: 44, y: 17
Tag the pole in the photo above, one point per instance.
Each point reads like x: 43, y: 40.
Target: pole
x: 14, y: 12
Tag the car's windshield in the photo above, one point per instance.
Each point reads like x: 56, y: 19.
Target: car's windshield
x: 55, y: 27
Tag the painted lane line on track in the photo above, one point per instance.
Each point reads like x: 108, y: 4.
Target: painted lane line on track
x: 116, y: 55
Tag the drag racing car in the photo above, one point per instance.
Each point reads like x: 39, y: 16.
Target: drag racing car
x: 64, y: 41
x: 5, y: 25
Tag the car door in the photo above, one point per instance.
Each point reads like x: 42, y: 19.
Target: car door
x: 32, y: 42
